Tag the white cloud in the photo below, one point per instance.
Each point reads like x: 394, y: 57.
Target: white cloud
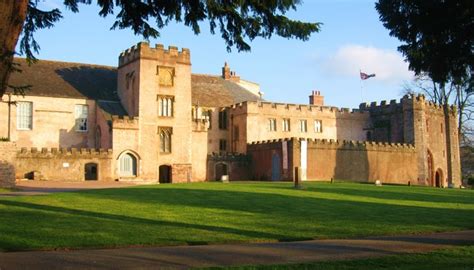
x: 388, y: 65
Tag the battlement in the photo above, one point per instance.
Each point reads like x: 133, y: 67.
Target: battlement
x: 124, y: 122
x: 64, y: 153
x: 264, y: 105
x: 228, y: 157
x: 143, y: 50
x: 409, y: 99
x: 345, y: 144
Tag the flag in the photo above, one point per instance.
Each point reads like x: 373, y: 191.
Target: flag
x: 365, y: 76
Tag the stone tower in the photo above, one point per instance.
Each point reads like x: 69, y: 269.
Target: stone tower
x: 154, y: 85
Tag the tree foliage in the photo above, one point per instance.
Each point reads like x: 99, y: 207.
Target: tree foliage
x: 238, y: 21
x: 437, y: 35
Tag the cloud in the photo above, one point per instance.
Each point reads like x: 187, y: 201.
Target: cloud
x: 388, y: 65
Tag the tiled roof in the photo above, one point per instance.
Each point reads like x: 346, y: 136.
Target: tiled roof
x: 214, y: 91
x: 62, y: 79
x: 74, y: 80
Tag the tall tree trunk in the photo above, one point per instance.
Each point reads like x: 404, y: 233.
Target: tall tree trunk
x: 12, y: 17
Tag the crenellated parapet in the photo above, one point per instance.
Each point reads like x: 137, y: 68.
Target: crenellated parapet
x: 228, y: 157
x: 259, y: 106
x: 78, y: 153
x: 345, y: 144
x: 143, y: 51
x: 124, y: 122
x: 408, y: 101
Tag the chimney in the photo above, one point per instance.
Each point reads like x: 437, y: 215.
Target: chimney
x: 226, y: 72
x: 316, y: 99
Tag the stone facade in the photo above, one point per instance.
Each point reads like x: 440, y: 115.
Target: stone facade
x: 7, y: 162
x: 151, y: 119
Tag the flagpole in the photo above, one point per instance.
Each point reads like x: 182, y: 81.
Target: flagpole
x: 361, y: 87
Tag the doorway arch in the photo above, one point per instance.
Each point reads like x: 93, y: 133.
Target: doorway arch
x: 165, y: 174
x: 276, y: 167
x: 220, y: 170
x: 128, y: 164
x: 91, y: 171
x: 439, y: 178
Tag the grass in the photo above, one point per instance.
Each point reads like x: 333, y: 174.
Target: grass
x: 5, y: 190
x: 205, y: 213
x: 452, y: 259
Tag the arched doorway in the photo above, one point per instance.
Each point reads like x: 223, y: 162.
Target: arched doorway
x: 429, y: 157
x: 90, y: 171
x: 165, y: 174
x: 127, y: 165
x: 276, y: 167
x: 439, y: 178
x: 221, y: 169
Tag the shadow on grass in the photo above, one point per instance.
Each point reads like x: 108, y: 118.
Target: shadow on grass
x: 120, y: 216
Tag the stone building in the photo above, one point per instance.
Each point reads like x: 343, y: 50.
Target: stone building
x: 152, y: 119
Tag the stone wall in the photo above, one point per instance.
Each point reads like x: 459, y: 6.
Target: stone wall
x: 7, y: 160
x: 334, y: 159
x: 252, y: 121
x: 236, y: 166
x: 62, y: 164
x: 53, y: 123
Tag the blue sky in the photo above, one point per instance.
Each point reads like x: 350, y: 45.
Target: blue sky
x: 351, y: 38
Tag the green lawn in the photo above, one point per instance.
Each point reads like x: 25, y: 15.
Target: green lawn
x: 452, y: 259
x: 239, y: 212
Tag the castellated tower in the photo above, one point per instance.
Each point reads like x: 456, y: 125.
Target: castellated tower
x: 154, y: 85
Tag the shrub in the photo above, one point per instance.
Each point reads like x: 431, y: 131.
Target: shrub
x: 4, y: 139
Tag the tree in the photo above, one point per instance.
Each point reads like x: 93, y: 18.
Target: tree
x: 238, y: 22
x: 437, y: 37
x: 454, y: 93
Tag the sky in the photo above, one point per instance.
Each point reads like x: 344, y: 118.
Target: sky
x: 351, y: 39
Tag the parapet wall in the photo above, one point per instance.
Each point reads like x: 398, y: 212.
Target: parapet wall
x: 126, y: 122
x: 254, y: 106
x: 355, y: 145
x: 62, y: 164
x: 144, y: 51
x: 413, y: 101
x: 7, y: 161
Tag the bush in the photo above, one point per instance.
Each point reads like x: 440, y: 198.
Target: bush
x: 470, y: 180
x: 4, y: 139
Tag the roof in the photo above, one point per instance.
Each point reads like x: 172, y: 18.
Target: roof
x: 70, y: 80
x: 214, y: 91
x: 75, y: 80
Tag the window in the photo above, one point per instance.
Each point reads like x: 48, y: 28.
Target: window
x: 165, y: 106
x: 223, y: 119
x: 223, y: 145
x: 286, y: 124
x: 318, y: 126
x: 441, y: 128
x: 165, y: 139
x: 236, y: 133
x: 24, y: 115
x: 207, y: 114
x: 80, y: 113
x: 303, y: 126
x: 128, y: 165
x: 272, y: 124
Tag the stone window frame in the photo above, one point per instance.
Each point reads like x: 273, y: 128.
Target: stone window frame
x: 81, y: 117
x: 166, y: 139
x: 303, y: 125
x: 135, y: 161
x: 318, y: 126
x: 222, y: 145
x: 165, y: 105
x: 272, y: 124
x: 24, y: 115
x: 286, y: 124
x: 223, y: 119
